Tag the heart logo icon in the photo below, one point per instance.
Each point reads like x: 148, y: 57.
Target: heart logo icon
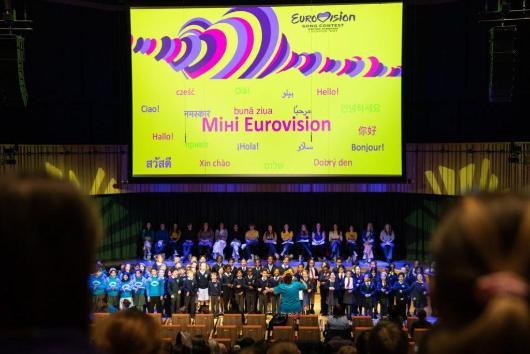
x: 324, y: 16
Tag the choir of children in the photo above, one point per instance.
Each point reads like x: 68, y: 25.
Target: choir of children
x: 250, y: 289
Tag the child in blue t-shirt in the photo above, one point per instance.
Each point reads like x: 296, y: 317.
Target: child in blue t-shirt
x: 155, y: 291
x: 97, y: 283
x: 139, y: 284
x: 126, y: 290
x: 113, y: 288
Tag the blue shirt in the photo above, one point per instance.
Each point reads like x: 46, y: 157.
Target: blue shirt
x: 126, y: 289
x: 138, y: 285
x: 113, y: 286
x: 97, y: 284
x: 290, y: 301
x: 155, y: 286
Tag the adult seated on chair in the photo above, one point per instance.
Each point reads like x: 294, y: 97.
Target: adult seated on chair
x: 318, y: 242
x: 303, y: 243
x: 236, y: 239
x: 161, y: 240
x: 338, y: 325
x: 338, y: 321
x: 287, y: 240
x: 251, y: 242
x: 205, y: 240
x: 421, y: 322
x: 387, y: 238
x: 188, y: 241
x: 270, y: 239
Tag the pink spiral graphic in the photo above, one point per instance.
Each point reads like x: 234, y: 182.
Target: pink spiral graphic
x: 274, y: 49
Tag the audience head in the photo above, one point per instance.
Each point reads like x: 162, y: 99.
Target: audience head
x: 361, y: 342
x: 245, y: 342
x: 126, y: 304
x: 338, y: 311
x: 347, y: 349
x: 422, y: 315
x: 482, y: 249
x: 387, y: 338
x: 394, y: 315
x: 42, y: 216
x: 288, y: 278
x: 199, y: 345
x: 128, y: 332
x: 283, y: 348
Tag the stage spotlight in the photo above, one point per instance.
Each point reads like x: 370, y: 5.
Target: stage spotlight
x: 503, y: 56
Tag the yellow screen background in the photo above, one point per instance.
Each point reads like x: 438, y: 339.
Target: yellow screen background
x: 361, y: 102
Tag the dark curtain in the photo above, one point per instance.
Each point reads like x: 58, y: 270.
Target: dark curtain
x: 413, y: 216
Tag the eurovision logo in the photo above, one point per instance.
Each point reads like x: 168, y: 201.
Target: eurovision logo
x: 260, y: 48
x: 323, y: 17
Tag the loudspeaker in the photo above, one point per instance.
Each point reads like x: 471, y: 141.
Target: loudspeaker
x: 502, y: 63
x: 13, y: 92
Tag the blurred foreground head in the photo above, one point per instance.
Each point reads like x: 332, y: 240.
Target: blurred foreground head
x: 481, y: 288
x: 48, y: 233
x: 129, y: 332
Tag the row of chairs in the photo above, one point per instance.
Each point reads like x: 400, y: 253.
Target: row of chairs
x: 230, y: 327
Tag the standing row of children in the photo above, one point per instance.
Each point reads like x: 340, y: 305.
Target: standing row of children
x: 221, y: 287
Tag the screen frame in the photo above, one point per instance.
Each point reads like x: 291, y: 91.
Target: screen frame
x: 260, y: 179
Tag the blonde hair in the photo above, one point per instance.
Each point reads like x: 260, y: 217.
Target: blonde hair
x: 483, y: 236
x: 129, y: 332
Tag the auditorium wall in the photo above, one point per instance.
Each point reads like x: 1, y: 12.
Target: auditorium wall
x: 443, y: 169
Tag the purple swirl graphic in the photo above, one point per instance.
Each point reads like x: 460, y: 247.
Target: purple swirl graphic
x: 272, y: 54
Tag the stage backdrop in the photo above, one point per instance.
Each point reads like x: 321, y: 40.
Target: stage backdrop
x: 432, y: 170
